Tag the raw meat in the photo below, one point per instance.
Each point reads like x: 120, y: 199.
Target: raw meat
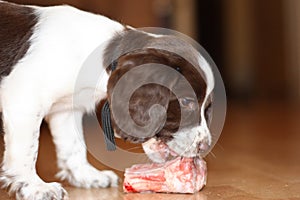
x: 181, y: 175
x: 158, y: 151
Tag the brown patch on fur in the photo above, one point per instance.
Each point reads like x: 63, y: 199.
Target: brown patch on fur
x: 16, y: 24
x: 148, y: 95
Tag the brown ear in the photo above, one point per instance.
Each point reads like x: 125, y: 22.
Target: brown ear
x: 145, y: 96
x: 140, y: 104
x: 141, y: 57
x: 149, y: 94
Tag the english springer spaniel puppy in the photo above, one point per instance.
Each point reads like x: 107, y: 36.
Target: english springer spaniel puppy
x: 41, y: 52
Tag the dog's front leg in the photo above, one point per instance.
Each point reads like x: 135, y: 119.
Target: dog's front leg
x: 21, y: 136
x: 67, y: 131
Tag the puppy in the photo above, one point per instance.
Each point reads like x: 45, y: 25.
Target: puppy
x: 42, y: 50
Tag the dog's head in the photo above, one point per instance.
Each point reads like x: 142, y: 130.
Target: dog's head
x: 176, y: 80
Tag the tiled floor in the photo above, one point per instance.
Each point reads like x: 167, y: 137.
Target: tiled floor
x: 257, y: 157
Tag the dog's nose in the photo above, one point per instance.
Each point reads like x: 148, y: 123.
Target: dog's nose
x: 203, y: 146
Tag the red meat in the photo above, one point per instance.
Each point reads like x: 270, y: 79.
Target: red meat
x: 181, y: 175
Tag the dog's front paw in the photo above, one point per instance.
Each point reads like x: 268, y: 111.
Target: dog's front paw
x: 41, y: 191
x: 89, y: 177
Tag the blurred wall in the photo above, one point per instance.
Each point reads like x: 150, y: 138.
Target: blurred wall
x: 255, y: 52
x: 132, y: 12
x: 292, y: 46
x: 256, y: 44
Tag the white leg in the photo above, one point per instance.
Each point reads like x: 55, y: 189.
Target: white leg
x: 21, y: 148
x: 71, y: 153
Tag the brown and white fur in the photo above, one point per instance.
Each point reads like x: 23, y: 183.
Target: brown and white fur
x: 41, y: 52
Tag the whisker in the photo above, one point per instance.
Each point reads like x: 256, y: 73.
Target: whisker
x: 212, y: 154
x: 221, y: 147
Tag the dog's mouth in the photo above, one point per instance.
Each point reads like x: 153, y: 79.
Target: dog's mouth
x: 158, y: 151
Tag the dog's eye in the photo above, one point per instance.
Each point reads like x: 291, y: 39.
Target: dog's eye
x: 188, y: 103
x: 178, y: 69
